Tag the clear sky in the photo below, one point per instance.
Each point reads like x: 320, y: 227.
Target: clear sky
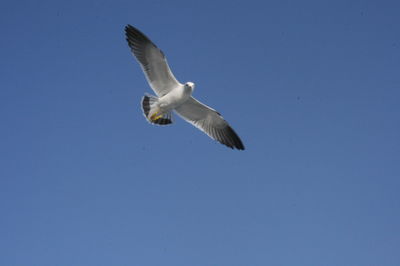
x: 312, y: 88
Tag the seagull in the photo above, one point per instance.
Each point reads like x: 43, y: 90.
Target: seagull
x: 173, y: 95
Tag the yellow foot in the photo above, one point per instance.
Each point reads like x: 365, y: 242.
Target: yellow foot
x: 155, y: 117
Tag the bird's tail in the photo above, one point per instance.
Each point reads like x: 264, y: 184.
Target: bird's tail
x: 152, y: 112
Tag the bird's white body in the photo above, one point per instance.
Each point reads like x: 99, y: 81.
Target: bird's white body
x: 175, y: 98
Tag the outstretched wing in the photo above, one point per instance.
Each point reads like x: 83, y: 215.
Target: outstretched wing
x: 210, y: 122
x: 152, y: 60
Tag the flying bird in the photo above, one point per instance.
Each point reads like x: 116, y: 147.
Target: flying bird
x: 173, y: 95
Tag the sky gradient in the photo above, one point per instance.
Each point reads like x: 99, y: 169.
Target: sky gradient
x: 311, y: 87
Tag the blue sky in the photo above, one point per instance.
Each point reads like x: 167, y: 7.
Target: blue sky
x: 312, y: 88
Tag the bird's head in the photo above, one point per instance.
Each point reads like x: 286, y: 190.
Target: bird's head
x: 189, y: 86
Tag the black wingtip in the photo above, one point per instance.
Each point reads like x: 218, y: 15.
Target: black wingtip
x: 237, y: 142
x: 136, y: 39
x: 131, y: 31
x: 233, y: 141
x: 128, y: 28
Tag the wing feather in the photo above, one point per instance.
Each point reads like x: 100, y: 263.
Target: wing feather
x: 152, y: 60
x: 210, y: 122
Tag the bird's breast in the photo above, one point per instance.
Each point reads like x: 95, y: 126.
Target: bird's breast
x: 173, y: 99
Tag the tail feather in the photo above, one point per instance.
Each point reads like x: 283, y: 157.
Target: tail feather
x: 148, y: 103
x: 164, y: 120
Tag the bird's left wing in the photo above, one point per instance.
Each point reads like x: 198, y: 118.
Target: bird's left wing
x: 152, y: 60
x: 210, y: 122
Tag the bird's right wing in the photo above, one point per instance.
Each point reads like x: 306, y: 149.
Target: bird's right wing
x: 152, y: 60
x: 210, y: 122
